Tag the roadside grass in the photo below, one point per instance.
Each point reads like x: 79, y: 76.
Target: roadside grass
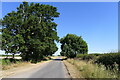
x: 9, y: 55
x: 90, y: 70
x: 8, y: 63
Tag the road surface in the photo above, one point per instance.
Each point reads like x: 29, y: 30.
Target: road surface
x: 52, y: 69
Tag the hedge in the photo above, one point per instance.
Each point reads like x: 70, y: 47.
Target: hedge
x: 109, y: 60
x: 87, y: 56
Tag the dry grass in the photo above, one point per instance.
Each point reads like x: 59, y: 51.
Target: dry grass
x: 89, y: 70
x: 13, y: 65
x: 7, y: 64
x: 9, y: 69
x: 72, y: 70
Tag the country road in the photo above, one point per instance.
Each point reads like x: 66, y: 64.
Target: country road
x: 52, y: 69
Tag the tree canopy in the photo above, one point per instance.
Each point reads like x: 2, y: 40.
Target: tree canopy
x: 72, y: 45
x: 30, y: 31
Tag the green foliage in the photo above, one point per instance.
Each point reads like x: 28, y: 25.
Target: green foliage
x: 109, y: 60
x: 92, y: 71
x: 72, y: 45
x: 9, y: 61
x: 30, y: 31
x: 86, y: 56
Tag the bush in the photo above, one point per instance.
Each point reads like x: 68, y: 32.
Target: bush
x: 80, y: 55
x: 86, y: 56
x: 91, y: 71
x: 97, y: 54
x: 109, y: 60
x: 8, y: 61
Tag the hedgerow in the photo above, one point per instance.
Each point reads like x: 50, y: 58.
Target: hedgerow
x: 88, y: 56
x: 109, y: 60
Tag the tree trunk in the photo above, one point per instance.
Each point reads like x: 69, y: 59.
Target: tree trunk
x: 13, y: 56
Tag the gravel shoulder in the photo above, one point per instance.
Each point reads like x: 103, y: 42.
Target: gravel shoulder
x: 72, y: 70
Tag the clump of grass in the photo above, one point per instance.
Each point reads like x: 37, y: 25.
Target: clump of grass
x: 89, y: 70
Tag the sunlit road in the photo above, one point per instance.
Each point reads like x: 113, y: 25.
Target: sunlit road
x: 52, y: 69
x: 55, y: 69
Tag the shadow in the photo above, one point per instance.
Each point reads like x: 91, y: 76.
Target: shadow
x: 59, y: 59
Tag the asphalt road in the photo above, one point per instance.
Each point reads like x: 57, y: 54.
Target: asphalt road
x: 52, y: 69
x: 55, y: 69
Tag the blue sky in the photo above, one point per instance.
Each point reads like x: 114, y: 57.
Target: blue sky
x: 96, y: 22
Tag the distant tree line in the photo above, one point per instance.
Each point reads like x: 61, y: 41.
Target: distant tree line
x: 73, y: 45
x: 30, y: 31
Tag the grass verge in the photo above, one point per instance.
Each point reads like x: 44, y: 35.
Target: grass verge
x: 89, y: 70
x: 8, y: 63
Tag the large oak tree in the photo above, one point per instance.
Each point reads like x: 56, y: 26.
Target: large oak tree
x: 30, y: 31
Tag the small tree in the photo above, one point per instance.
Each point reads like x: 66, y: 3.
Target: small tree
x: 72, y: 45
